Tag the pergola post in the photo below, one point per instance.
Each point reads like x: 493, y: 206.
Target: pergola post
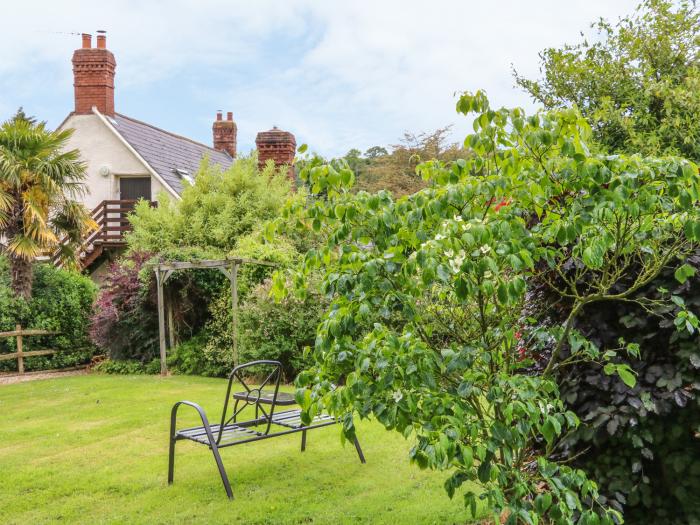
x: 161, y: 322
x: 234, y: 303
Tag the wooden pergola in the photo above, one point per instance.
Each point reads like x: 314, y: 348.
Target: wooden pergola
x: 229, y: 267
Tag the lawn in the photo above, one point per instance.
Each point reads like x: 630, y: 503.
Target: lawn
x: 93, y: 449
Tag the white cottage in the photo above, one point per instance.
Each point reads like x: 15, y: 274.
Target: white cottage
x: 127, y: 159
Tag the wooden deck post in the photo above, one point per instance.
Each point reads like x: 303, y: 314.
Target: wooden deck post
x: 20, y: 359
x: 161, y: 322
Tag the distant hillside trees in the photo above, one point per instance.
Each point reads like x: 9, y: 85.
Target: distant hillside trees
x: 394, y: 169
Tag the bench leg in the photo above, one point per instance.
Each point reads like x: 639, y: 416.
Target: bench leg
x: 303, y: 440
x: 171, y: 461
x: 222, y: 471
x: 359, y: 450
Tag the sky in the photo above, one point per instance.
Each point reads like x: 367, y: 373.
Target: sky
x: 338, y: 74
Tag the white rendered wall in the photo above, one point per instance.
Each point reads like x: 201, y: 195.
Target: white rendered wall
x: 99, y: 147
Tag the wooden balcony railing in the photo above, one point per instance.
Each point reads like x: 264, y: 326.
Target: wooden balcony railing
x: 112, y: 218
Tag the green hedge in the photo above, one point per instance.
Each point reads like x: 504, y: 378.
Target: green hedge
x: 62, y: 301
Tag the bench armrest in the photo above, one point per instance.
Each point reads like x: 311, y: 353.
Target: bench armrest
x: 202, y: 416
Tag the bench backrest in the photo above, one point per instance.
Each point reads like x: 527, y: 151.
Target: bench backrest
x: 271, y: 371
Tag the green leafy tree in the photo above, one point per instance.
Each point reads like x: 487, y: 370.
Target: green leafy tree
x: 39, y: 182
x: 637, y: 82
x: 427, y: 330
x: 376, y: 151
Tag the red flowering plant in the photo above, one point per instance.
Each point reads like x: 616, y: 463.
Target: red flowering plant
x: 124, y: 323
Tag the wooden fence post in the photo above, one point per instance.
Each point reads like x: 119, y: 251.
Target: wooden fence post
x: 20, y: 359
x: 20, y: 354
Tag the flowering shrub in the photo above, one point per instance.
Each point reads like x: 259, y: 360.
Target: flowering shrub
x: 425, y: 329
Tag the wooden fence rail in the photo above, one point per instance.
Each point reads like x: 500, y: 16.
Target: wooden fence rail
x: 20, y: 354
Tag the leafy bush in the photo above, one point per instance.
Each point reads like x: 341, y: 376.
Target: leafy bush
x: 532, y: 203
x: 280, y: 330
x: 125, y: 322
x: 214, y: 212
x: 217, y: 354
x: 189, y: 358
x: 641, y: 443
x: 62, y: 301
x: 267, y: 330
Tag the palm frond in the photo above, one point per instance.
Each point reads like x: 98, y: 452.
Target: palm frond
x: 23, y: 247
x: 38, y: 179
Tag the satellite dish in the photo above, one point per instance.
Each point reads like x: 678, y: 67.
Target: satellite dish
x: 105, y: 171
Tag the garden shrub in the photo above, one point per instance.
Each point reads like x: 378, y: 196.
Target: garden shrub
x: 280, y: 330
x: 125, y: 322
x: 61, y: 301
x: 214, y: 212
x: 641, y: 444
x: 253, y: 306
x: 189, y: 358
x: 267, y: 330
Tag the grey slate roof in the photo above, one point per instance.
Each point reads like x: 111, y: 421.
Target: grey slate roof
x: 165, y: 152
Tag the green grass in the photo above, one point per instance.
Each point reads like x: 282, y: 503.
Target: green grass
x: 93, y: 449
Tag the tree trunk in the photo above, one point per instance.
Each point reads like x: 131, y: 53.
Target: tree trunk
x: 22, y: 271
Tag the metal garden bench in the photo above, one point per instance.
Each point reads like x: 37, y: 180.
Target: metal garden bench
x: 268, y: 423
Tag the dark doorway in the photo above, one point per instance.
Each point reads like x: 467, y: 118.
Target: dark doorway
x: 134, y: 188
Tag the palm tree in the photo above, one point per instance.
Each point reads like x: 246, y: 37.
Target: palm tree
x: 39, y: 183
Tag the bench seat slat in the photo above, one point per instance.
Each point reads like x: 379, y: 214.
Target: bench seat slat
x: 233, y: 432
x: 230, y: 433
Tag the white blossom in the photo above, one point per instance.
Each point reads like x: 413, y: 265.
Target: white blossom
x: 456, y: 262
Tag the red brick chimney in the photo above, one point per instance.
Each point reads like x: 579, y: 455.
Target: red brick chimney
x: 279, y: 146
x: 93, y: 76
x: 225, y: 133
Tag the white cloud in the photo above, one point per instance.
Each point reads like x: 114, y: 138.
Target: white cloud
x: 340, y: 74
